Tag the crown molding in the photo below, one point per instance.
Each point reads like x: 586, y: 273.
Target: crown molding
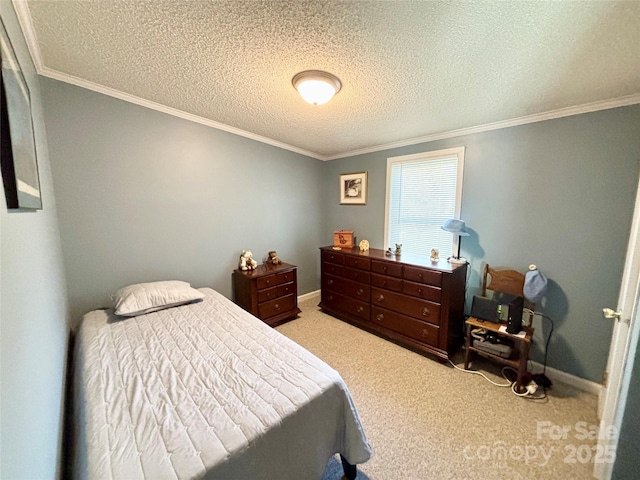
x: 538, y: 117
x: 26, y: 23
x: 63, y: 77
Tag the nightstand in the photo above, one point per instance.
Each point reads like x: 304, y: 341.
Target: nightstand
x: 519, y: 357
x: 270, y: 292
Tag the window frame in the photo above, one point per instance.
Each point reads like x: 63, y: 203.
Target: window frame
x: 457, y: 152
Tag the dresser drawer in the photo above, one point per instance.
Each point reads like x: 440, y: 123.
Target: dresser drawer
x: 411, y: 306
x: 430, y: 277
x: 384, y: 281
x: 333, y: 257
x: 386, y: 268
x: 277, y: 306
x: 348, y: 306
x: 357, y: 262
x: 428, y: 292
x: 276, y: 292
x: 410, y: 327
x: 346, y: 287
x: 275, y: 279
x: 356, y: 275
x: 332, y: 269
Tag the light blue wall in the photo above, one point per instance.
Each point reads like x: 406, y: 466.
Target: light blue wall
x: 558, y: 193
x: 33, y: 313
x: 146, y: 196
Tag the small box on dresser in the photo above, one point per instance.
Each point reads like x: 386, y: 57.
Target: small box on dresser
x: 270, y: 292
x: 408, y: 299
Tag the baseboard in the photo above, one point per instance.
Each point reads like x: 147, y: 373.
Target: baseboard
x: 569, y: 379
x: 309, y: 295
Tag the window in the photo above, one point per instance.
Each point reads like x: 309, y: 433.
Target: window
x: 423, y: 190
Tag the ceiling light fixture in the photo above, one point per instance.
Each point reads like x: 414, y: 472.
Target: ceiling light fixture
x: 315, y: 86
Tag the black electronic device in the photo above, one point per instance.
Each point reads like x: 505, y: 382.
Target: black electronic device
x: 514, y: 319
x: 484, y: 308
x: 499, y: 349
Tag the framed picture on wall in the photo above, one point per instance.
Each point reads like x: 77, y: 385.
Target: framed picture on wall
x: 353, y: 188
x: 18, y: 155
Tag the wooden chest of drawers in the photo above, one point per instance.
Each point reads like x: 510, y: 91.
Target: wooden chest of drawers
x: 270, y: 292
x: 408, y: 299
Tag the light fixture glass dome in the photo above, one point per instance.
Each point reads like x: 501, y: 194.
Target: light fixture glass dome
x: 316, y: 87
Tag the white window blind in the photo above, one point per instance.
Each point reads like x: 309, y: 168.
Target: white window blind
x: 423, y: 191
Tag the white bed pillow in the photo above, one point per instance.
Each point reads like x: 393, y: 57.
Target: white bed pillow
x: 144, y: 298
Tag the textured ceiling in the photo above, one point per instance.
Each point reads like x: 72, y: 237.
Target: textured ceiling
x: 410, y: 70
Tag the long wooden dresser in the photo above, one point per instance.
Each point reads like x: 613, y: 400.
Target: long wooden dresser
x: 408, y: 299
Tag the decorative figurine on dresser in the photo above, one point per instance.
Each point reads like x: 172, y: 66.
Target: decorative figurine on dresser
x: 411, y: 300
x: 270, y: 291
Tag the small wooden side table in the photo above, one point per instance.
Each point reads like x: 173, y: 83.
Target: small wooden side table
x: 270, y: 292
x: 522, y: 346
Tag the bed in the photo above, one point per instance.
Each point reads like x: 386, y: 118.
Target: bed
x: 205, y: 390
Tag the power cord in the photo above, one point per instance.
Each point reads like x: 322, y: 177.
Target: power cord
x: 546, y: 347
x: 541, y: 378
x: 484, y: 376
x: 511, y: 384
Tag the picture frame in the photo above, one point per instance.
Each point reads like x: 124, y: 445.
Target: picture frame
x: 353, y: 188
x: 18, y: 160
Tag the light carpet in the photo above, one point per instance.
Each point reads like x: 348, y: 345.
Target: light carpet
x: 426, y: 420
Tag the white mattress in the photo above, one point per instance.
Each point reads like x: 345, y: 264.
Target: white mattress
x: 205, y: 390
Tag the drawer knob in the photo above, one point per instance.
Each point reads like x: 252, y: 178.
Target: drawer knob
x: 277, y: 306
x: 384, y: 268
x: 420, y: 291
x: 425, y: 333
x: 381, y: 298
x: 425, y: 312
x: 360, y: 292
x: 360, y: 309
x: 330, y: 282
x: 330, y: 297
x: 355, y: 276
x: 380, y: 317
x: 420, y: 275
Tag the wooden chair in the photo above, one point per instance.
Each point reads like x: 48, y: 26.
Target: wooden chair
x: 504, y: 281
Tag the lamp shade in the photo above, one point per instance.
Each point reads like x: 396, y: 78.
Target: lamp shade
x: 535, y: 285
x: 455, y: 226
x: 316, y: 87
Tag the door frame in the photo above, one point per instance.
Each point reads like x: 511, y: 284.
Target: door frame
x: 613, y: 398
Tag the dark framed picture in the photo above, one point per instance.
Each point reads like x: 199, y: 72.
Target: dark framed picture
x: 18, y: 155
x: 353, y: 188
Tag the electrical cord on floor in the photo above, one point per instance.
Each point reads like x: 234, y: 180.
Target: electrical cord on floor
x: 483, y: 375
x: 511, y: 384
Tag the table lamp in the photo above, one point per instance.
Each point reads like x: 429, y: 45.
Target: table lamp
x: 457, y: 227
